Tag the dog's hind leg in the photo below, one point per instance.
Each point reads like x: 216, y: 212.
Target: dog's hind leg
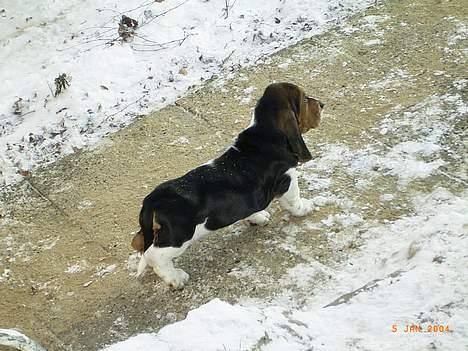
x: 160, y: 259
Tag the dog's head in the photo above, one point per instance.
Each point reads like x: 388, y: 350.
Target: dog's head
x: 293, y: 112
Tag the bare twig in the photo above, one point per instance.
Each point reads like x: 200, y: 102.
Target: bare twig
x: 163, y: 13
x: 111, y: 10
x: 228, y: 6
x: 106, y: 28
x: 98, y: 27
x: 123, y: 109
x: 107, y: 41
x: 50, y: 88
x: 27, y: 113
x: 159, y: 46
x: 61, y: 211
x: 147, y: 3
x: 227, y: 58
x: 164, y: 43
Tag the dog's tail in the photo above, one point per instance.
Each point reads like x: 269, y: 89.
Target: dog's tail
x: 148, y: 234
x: 149, y: 225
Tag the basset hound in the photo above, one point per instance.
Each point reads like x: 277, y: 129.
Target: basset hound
x: 240, y: 184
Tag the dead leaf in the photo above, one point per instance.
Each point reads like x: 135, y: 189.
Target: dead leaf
x: 24, y: 172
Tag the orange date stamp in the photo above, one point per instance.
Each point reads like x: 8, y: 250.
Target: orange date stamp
x: 417, y: 328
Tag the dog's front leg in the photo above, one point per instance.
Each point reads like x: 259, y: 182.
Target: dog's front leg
x: 291, y: 200
x: 259, y: 218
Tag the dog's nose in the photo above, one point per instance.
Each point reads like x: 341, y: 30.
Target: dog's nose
x: 321, y: 104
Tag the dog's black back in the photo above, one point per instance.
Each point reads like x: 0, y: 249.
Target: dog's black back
x: 242, y: 181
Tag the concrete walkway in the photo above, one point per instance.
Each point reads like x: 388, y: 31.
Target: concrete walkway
x: 65, y: 233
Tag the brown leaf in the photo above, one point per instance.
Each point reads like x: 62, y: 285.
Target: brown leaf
x: 24, y: 173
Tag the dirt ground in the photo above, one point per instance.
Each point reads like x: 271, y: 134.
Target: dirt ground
x: 66, y: 266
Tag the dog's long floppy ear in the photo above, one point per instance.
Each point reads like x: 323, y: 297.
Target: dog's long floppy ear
x: 288, y: 123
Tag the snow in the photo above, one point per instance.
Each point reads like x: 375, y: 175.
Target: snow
x: 393, y: 79
x: 373, y: 42
x: 407, y: 160
x: 177, y: 45
x: 180, y: 141
x: 410, y: 270
x: 104, y: 271
x: 407, y: 271
x: 387, y: 197
x: 73, y: 269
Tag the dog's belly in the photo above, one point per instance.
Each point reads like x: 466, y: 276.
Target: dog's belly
x: 237, y: 208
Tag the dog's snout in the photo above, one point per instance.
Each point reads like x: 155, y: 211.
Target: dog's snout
x: 321, y: 104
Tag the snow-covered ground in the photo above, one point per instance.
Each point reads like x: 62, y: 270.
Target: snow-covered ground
x: 409, y: 273
x: 177, y: 45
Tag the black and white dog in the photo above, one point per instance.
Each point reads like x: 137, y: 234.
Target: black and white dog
x: 240, y: 184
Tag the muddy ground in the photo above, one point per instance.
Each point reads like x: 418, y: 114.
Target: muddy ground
x: 66, y: 266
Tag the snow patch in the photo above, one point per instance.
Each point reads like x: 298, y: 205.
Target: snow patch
x: 389, y: 286
x: 107, y: 270
x: 416, y: 156
x: 177, y: 45
x: 203, y: 331
x: 74, y: 269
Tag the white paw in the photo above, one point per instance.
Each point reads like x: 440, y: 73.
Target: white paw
x: 259, y: 218
x: 302, y: 208
x: 176, y: 279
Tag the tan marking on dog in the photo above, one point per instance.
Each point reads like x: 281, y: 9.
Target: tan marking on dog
x: 156, y: 227
x: 310, y: 115
x: 307, y: 109
x: 138, y: 242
